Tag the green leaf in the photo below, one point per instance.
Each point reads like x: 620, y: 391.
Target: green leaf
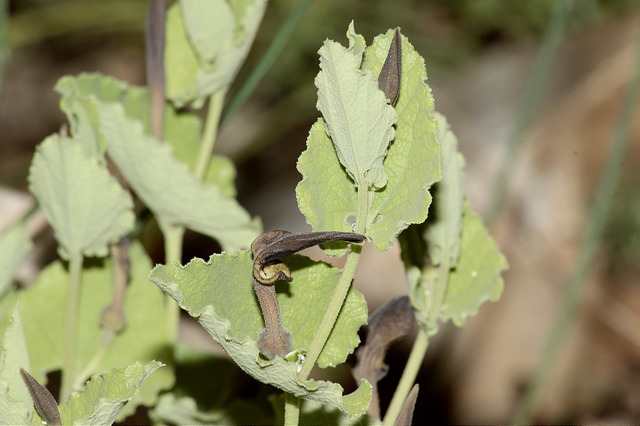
x: 229, y: 311
x: 14, y: 247
x: 12, y: 412
x: 16, y: 406
x: 105, y: 395
x: 182, y: 130
x: 85, y: 205
x: 464, y: 266
x: 476, y: 278
x: 165, y: 185
x: 443, y: 234
x: 357, y: 116
x: 326, y: 195
x: 207, y: 38
x: 204, y: 52
x: 145, y: 337
x: 182, y: 411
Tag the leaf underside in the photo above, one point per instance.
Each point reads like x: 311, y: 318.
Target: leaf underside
x: 327, y: 195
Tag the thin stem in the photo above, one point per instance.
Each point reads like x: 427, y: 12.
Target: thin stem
x: 533, y: 91
x: 71, y: 326
x: 291, y: 410
x: 209, y: 135
x: 408, y: 377
x: 340, y: 293
x: 154, y: 54
x: 267, y: 60
x: 331, y: 314
x: 593, y: 234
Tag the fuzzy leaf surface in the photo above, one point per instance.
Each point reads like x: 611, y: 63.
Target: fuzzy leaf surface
x: 476, y: 279
x: 219, y: 293
x: 165, y: 185
x: 145, y: 337
x: 182, y: 130
x: 14, y: 247
x: 105, y: 395
x: 208, y: 40
x: 16, y: 406
x: 357, y: 116
x: 195, y: 71
x: 326, y: 195
x: 86, y: 206
x: 443, y: 234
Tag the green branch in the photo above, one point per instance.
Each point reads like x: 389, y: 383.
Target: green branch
x: 408, y: 377
x: 340, y: 293
x: 71, y: 326
x: 291, y: 409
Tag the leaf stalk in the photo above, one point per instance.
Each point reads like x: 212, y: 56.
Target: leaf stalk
x: 340, y: 293
x: 408, y: 377
x: 71, y: 325
x: 209, y: 134
x: 291, y: 409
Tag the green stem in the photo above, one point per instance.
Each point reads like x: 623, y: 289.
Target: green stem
x: 291, y: 410
x: 340, y: 293
x: 408, y: 377
x: 596, y: 223
x: 209, y: 135
x: 71, y: 325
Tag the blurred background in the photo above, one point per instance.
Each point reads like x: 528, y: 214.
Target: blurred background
x: 551, y: 132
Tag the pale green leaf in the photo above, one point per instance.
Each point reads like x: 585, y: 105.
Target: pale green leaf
x: 14, y: 247
x: 209, y: 26
x: 164, y: 184
x: 192, y: 78
x: 182, y: 130
x: 182, y: 411
x: 326, y: 195
x: 443, y: 234
x: 476, y: 278
x: 16, y: 406
x: 302, y: 302
x: 86, y: 206
x: 146, y: 335
x: 105, y: 395
x: 357, y: 116
x: 413, y: 160
x: 12, y: 412
x: 219, y: 293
